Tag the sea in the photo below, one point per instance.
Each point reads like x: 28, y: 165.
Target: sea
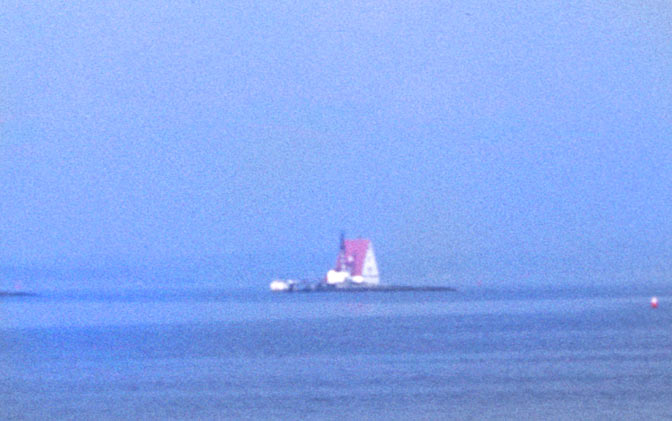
x: 214, y: 354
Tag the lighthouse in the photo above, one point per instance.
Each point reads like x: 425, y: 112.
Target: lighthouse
x: 355, y: 263
x: 355, y: 270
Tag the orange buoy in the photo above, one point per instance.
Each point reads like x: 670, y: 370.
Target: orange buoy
x: 654, y: 302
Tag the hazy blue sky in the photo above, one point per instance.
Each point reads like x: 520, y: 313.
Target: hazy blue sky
x: 464, y: 138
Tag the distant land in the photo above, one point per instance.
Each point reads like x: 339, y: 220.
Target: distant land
x: 383, y: 288
x: 16, y: 294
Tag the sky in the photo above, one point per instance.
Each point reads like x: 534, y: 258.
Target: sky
x: 233, y: 141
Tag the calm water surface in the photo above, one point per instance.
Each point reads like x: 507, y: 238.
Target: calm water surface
x: 213, y: 354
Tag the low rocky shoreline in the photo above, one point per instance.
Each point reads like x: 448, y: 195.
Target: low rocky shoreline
x: 320, y: 287
x: 16, y: 294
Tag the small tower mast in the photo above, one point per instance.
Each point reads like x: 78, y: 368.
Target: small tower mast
x: 341, y: 255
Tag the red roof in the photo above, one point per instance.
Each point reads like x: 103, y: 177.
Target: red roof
x: 353, y: 258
